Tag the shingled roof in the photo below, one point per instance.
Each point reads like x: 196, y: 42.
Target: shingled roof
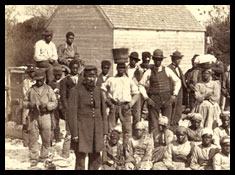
x: 158, y: 17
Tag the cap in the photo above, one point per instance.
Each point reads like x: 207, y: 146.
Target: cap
x: 163, y: 120
x: 90, y: 70
x: 224, y: 114
x: 181, y: 129
x: 106, y: 63
x: 225, y: 140
x: 39, y: 74
x: 58, y: 69
x: 196, y: 116
x: 118, y: 129
x: 135, y: 56
x: 139, y: 125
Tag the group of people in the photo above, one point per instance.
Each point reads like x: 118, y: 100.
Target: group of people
x: 106, y: 116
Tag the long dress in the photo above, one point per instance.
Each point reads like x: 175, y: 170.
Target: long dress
x: 208, y: 107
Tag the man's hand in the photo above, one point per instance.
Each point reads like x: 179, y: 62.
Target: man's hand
x: 43, y: 107
x: 150, y: 102
x: 172, y: 99
x: 127, y: 107
x: 75, y: 139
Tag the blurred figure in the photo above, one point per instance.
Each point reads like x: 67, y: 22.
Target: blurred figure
x: 221, y: 160
x: 139, y: 150
x: 226, y: 89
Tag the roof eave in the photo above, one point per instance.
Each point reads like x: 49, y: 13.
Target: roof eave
x: 183, y: 30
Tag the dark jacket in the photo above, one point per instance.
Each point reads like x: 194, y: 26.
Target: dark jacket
x: 87, y: 118
x: 100, y: 80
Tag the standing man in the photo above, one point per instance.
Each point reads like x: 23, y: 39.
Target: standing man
x: 41, y: 101
x: 55, y: 85
x: 105, y: 66
x: 45, y: 54
x: 176, y: 58
x: 87, y: 120
x: 135, y: 73
x: 226, y: 89
x: 122, y: 93
x: 159, y: 96
x: 146, y: 56
x: 68, y: 50
x: 66, y: 84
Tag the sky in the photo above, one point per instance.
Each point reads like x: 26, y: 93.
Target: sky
x: 20, y: 9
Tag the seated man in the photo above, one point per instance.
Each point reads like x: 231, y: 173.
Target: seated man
x: 139, y: 150
x: 112, y: 156
x: 162, y: 140
x: 203, y: 154
x: 221, y: 160
x: 177, y: 155
x: 194, y: 130
x: 224, y: 129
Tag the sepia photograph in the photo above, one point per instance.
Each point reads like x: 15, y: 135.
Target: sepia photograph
x: 117, y: 87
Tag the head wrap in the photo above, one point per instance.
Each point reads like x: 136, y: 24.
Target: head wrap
x: 224, y: 114
x: 207, y: 131
x: 195, y: 116
x: 163, y: 120
x: 139, y: 125
x: 224, y: 140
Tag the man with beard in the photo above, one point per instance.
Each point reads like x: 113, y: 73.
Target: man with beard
x: 87, y: 120
x: 177, y: 156
x: 162, y: 140
x: 45, y: 54
x: 66, y: 84
x: 41, y: 101
x: 221, y: 160
x: 224, y: 129
x: 139, y: 150
x: 203, y: 154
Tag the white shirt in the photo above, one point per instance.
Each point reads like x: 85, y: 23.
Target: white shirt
x: 120, y: 88
x: 44, y: 51
x: 144, y: 82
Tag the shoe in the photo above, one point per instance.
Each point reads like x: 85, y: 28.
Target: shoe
x: 49, y: 165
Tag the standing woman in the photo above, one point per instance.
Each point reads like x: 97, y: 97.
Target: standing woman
x: 87, y: 120
x: 207, y: 94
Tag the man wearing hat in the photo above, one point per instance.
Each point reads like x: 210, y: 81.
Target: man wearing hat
x: 122, y: 93
x: 68, y: 50
x: 135, y: 73
x: 139, y: 150
x: 28, y: 82
x: 176, y: 58
x: 55, y: 85
x: 224, y: 129
x: 226, y: 89
x: 159, y: 95
x: 207, y: 96
x: 177, y: 155
x: 203, y: 154
x: 45, y: 54
x: 162, y: 140
x: 41, y: 101
x: 221, y: 160
x: 66, y: 84
x: 87, y: 120
x: 146, y: 56
x: 112, y: 155
x: 105, y: 66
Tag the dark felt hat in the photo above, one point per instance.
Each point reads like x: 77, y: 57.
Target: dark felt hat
x: 120, y: 55
x: 135, y: 56
x: 90, y: 70
x: 158, y: 54
x: 47, y: 32
x: 57, y: 69
x: 40, y: 74
x: 106, y: 63
x: 177, y: 54
x: 30, y: 68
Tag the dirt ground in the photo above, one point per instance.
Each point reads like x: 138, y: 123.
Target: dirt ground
x: 17, y: 156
